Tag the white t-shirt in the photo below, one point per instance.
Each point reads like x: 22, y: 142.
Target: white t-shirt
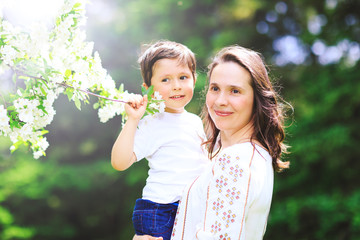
x: 231, y: 199
x: 171, y: 142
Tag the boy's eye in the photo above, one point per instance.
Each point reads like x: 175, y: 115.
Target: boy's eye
x: 165, y: 80
x: 183, y: 77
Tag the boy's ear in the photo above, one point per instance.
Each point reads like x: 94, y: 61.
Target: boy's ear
x: 145, y: 86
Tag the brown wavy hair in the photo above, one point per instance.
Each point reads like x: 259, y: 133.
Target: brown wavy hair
x: 267, y: 114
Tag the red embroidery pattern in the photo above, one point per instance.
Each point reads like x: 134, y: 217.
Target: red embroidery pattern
x: 176, y: 219
x: 226, y: 186
x: 224, y: 237
x: 216, y: 227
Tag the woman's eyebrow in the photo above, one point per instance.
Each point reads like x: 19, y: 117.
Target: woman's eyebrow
x: 235, y: 86
x: 228, y: 86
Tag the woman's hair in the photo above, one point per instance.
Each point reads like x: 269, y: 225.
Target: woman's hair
x: 165, y: 49
x: 267, y: 114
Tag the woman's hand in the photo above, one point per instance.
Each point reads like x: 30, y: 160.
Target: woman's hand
x: 146, y: 237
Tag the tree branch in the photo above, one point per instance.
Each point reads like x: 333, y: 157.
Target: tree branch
x: 68, y: 86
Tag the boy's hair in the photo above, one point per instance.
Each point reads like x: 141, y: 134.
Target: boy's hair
x: 165, y: 49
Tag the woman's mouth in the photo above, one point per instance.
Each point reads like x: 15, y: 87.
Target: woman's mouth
x: 222, y: 113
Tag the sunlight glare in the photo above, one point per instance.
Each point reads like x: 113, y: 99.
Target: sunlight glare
x: 24, y: 13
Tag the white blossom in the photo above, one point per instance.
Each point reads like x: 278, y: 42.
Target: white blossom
x: 38, y: 154
x: 162, y: 107
x: 26, y: 115
x: 4, y: 121
x: 157, y: 95
x: 8, y: 54
x: 110, y: 110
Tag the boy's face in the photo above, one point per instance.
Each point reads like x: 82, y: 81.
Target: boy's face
x: 174, y: 82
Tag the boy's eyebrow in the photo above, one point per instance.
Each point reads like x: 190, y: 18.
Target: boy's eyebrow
x: 186, y: 73
x: 179, y: 73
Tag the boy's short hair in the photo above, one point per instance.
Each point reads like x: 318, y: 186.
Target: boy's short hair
x: 161, y: 50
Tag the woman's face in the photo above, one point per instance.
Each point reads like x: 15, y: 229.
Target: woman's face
x: 230, y: 97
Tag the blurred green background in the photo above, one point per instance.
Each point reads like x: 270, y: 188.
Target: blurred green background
x: 312, y: 49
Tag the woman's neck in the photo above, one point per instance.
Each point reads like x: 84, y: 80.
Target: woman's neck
x: 229, y: 138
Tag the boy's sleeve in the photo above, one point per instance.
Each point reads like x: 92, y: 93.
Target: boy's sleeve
x: 144, y: 139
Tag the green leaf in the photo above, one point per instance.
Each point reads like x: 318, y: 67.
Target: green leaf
x: 75, y: 22
x: 11, y: 108
x: 143, y: 90
x: 67, y: 73
x: 150, y: 90
x: 41, y: 107
x: 121, y: 88
x: 17, y: 145
x: 58, y: 21
x: 43, y: 91
x: 43, y: 132
x: 76, y: 5
x: 96, y: 105
x: 69, y: 92
x: 77, y: 103
x: 24, y: 77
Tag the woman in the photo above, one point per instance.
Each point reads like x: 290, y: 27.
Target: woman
x: 244, y: 122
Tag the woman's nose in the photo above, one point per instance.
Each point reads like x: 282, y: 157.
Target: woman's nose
x: 221, y: 99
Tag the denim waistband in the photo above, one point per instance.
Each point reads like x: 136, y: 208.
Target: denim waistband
x: 147, y: 204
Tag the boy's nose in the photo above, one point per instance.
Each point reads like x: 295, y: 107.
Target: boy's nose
x: 176, y: 85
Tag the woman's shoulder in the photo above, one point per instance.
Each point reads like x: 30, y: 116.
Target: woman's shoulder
x: 246, y: 150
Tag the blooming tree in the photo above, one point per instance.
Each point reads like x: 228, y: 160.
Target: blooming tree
x: 53, y: 62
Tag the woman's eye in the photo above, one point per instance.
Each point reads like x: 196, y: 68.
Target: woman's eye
x: 183, y: 77
x: 235, y: 91
x: 214, y: 89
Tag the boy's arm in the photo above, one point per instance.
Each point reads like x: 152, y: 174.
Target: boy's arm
x: 122, y: 154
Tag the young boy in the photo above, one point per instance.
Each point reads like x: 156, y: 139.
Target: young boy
x: 170, y: 141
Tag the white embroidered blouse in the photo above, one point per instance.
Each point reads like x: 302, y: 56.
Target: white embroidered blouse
x: 231, y: 199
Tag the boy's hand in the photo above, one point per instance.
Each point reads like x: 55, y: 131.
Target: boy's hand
x: 136, y: 106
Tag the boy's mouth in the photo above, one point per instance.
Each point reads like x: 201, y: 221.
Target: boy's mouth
x: 176, y: 97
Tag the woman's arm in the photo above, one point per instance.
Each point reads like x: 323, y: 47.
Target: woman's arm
x: 146, y: 237
x: 228, y: 195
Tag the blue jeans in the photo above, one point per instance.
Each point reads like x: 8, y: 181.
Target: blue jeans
x: 155, y: 219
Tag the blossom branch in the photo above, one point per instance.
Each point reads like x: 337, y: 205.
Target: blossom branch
x: 26, y: 117
x: 68, y: 86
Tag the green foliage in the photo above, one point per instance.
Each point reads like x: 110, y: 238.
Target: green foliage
x: 58, y: 200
